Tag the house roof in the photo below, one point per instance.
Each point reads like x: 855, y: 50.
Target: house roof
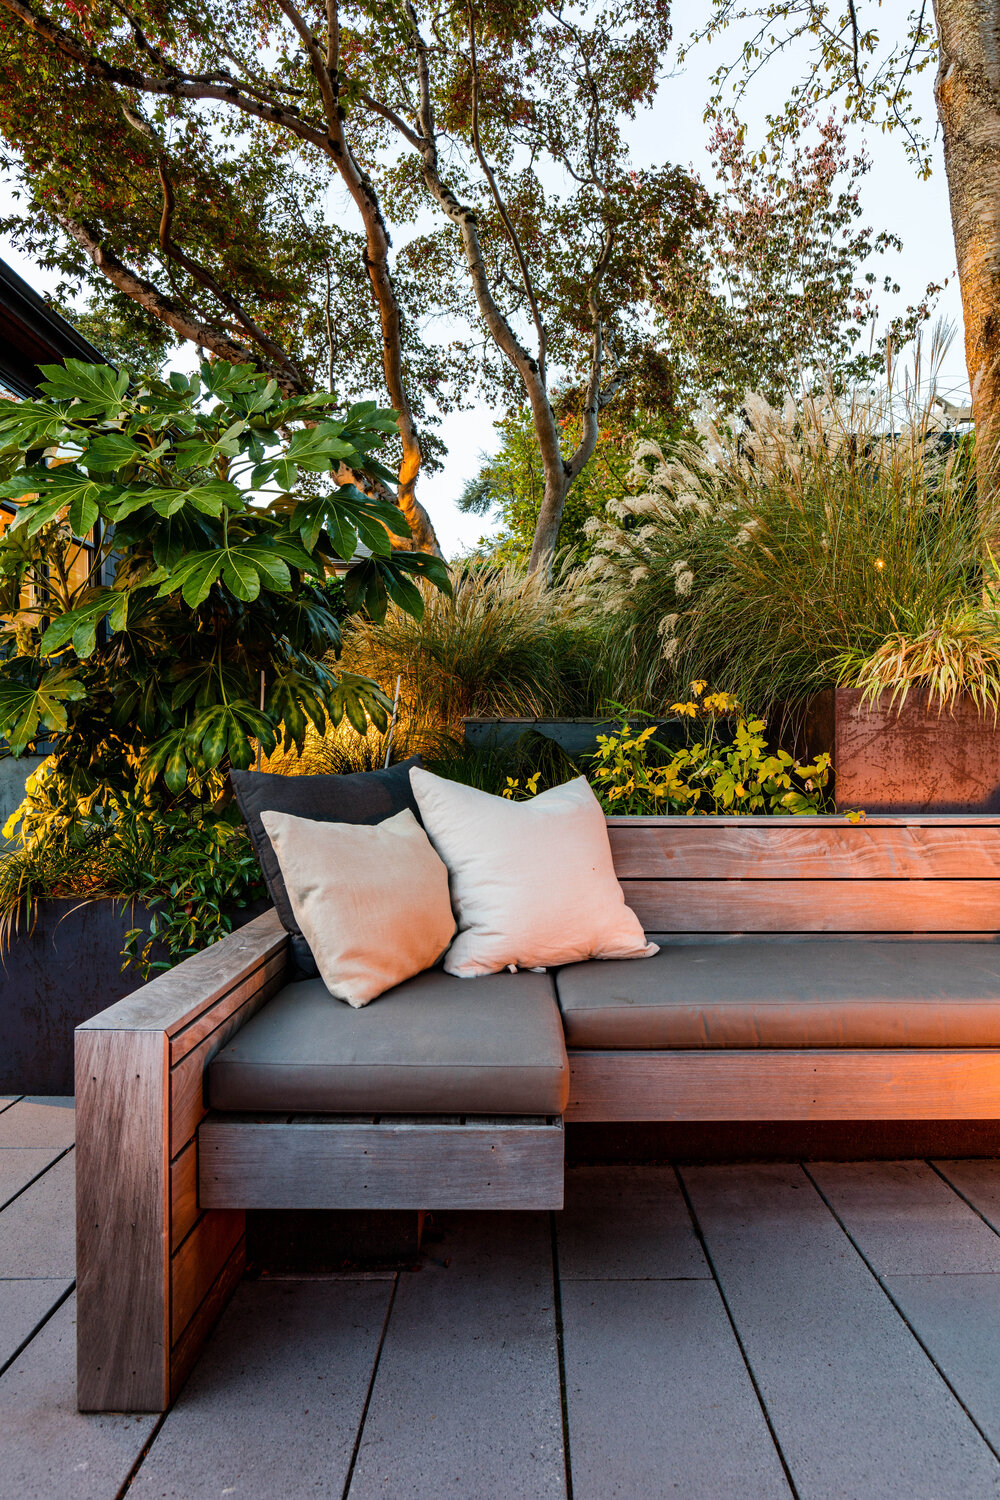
x: 32, y: 334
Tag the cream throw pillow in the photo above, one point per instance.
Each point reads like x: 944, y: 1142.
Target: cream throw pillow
x: 532, y: 883
x: 371, y: 899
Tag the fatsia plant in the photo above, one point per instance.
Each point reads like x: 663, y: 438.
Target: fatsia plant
x: 196, y: 629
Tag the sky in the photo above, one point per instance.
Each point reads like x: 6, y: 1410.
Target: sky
x: 673, y: 131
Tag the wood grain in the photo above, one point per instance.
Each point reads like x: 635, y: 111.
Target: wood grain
x: 183, y: 1193
x: 196, y: 1264
x: 187, y: 1348
x: 417, y: 1164
x: 835, y: 1084
x: 122, y: 1221
x: 771, y: 849
x: 142, y: 1315
x: 187, y: 1078
x: 175, y: 1000
x: 815, y: 906
x: 264, y: 980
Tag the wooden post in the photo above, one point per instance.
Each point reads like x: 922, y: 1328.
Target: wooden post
x: 153, y: 1270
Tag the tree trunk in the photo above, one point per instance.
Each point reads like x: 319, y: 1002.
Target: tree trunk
x: 968, y: 101
x: 543, y: 544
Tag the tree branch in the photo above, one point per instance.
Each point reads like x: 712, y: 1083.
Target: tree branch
x: 150, y: 297
x: 178, y: 85
x: 500, y: 205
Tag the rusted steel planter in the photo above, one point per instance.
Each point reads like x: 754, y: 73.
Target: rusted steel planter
x: 916, y: 760
x: 61, y: 973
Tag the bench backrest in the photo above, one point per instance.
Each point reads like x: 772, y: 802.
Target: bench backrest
x: 927, y: 874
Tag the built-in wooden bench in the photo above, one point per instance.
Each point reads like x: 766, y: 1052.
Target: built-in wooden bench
x: 164, y: 1184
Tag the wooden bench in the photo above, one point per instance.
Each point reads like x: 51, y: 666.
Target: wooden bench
x: 163, y: 1186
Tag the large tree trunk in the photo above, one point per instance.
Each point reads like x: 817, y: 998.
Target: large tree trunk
x: 968, y: 101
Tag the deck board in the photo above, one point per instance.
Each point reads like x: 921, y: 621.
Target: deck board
x: 658, y: 1396
x: 38, y: 1122
x: 466, y: 1402
x: 19, y: 1164
x: 856, y: 1405
x: 979, y: 1183
x: 37, y: 1233
x: 626, y: 1223
x: 23, y: 1305
x: 906, y: 1220
x: 49, y: 1449
x: 273, y: 1406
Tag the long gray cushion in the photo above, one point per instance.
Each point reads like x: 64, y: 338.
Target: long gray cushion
x: 434, y: 1045
x: 807, y: 993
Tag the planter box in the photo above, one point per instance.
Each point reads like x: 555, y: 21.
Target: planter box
x: 575, y: 736
x: 914, y: 761
x: 61, y: 973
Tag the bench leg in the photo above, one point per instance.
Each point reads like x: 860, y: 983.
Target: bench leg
x: 153, y: 1272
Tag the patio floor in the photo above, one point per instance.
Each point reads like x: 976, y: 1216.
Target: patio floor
x: 823, y: 1331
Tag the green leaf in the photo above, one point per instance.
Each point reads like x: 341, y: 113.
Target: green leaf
x: 28, y: 708
x: 91, y: 384
x: 109, y: 453
x: 240, y: 575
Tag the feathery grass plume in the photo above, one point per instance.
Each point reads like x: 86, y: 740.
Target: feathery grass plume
x: 786, y: 542
x: 501, y: 645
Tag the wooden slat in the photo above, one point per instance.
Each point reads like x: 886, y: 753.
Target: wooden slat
x: 187, y: 1079
x: 500, y: 1164
x: 174, y: 1000
x: 195, y: 1266
x: 804, y: 849
x: 187, y: 1348
x: 183, y: 1193
x: 266, y: 979
x: 815, y: 906
x: 122, y: 1221
x: 841, y: 1084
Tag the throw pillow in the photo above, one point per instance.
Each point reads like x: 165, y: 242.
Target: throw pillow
x: 371, y: 901
x: 532, y: 883
x: 360, y: 797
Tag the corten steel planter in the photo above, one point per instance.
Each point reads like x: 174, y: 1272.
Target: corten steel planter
x: 61, y: 973
x: 914, y: 760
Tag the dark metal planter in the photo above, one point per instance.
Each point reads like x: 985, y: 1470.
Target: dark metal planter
x: 574, y: 736
x: 61, y: 973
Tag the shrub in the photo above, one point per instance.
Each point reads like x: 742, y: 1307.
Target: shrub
x: 739, y: 775
x: 771, y: 554
x: 501, y: 644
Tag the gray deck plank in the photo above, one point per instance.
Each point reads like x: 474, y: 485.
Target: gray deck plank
x: 37, y: 1231
x: 23, y: 1305
x: 626, y: 1223
x: 19, y: 1164
x: 49, y: 1449
x: 273, y: 1407
x: 466, y: 1404
x: 906, y: 1220
x: 857, y: 1406
x: 659, y: 1398
x: 979, y: 1181
x: 38, y: 1122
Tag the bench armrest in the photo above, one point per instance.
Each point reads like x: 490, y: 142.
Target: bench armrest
x: 153, y: 1271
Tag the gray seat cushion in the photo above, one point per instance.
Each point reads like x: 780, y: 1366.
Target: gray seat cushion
x: 807, y: 993
x: 433, y: 1045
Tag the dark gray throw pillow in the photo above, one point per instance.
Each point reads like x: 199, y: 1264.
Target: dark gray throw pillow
x: 361, y: 797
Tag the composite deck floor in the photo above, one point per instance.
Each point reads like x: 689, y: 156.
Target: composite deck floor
x: 820, y: 1331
